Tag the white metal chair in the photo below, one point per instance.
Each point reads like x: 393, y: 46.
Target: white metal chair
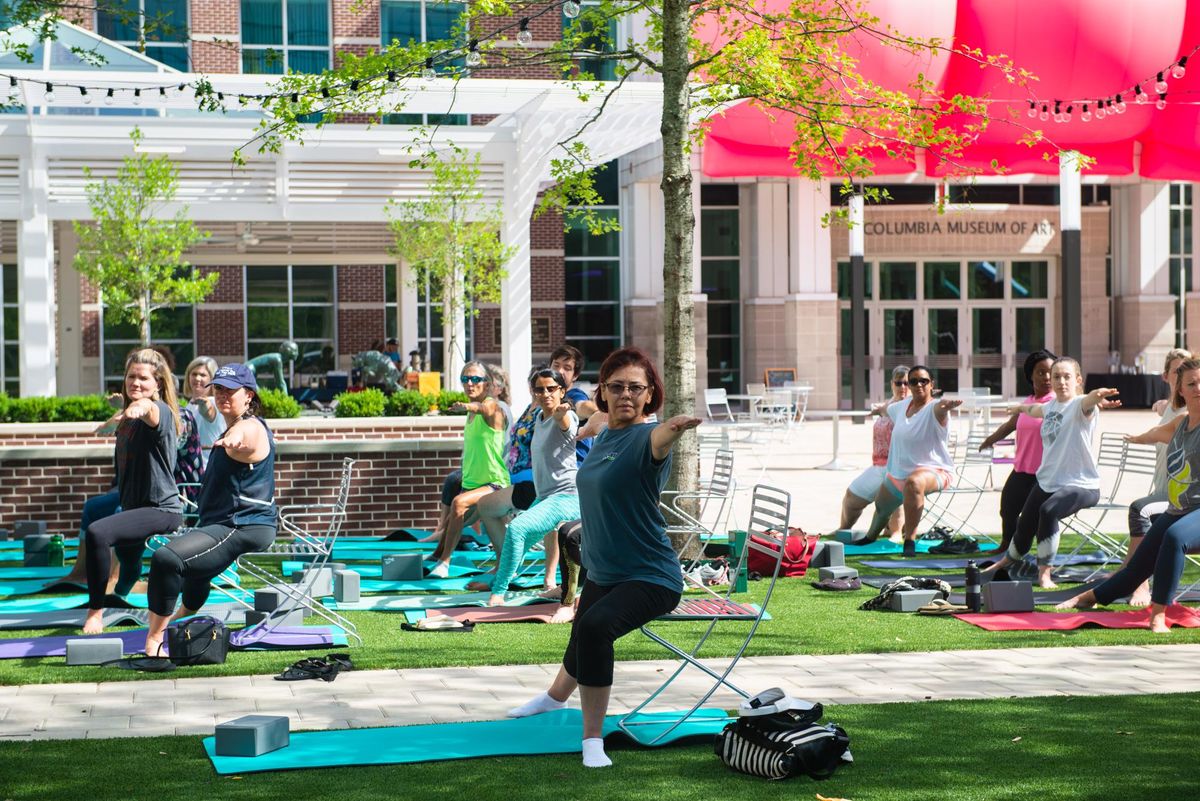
x: 1123, y: 460
x: 298, y: 541
x: 712, y: 502
x: 799, y: 398
x: 971, y: 471
x: 769, y: 514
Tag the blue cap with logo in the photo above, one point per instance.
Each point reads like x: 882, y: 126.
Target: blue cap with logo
x: 232, y: 376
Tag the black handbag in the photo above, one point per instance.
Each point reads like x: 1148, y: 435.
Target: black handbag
x: 198, y: 641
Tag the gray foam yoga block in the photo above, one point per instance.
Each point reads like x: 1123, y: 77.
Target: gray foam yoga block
x: 267, y: 600
x: 827, y: 553
x: 26, y: 528
x: 911, y: 600
x: 347, y: 586
x: 403, y: 567
x: 292, y: 618
x: 94, y: 650
x: 36, y: 550
x: 1008, y: 596
x: 252, y: 735
x: 840, y: 572
x: 318, y: 580
x: 845, y: 535
x: 4, y: 534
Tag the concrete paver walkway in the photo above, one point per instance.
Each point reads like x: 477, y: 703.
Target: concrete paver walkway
x: 402, y: 697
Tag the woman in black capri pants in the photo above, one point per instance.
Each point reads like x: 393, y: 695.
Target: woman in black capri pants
x: 633, y: 573
x: 237, y: 512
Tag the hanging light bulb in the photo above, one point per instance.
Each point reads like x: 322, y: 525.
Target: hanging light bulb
x: 429, y: 73
x: 1100, y: 112
x: 1067, y: 113
x: 108, y: 97
x: 1140, y: 97
x: 1180, y: 68
x: 1058, y: 115
x: 1120, y: 105
x: 524, y: 36
x: 13, y: 93
x: 1160, y: 85
x: 1045, y: 115
x: 1161, y: 103
x: 570, y: 9
x: 137, y: 97
x: 474, y: 57
x: 49, y: 92
x: 1032, y: 110
x: 162, y: 94
x: 84, y: 96
x: 1086, y: 114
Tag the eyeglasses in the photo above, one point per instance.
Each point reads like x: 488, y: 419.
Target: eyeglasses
x: 539, y: 391
x: 617, y: 389
x: 919, y: 382
x: 472, y: 379
x: 899, y: 382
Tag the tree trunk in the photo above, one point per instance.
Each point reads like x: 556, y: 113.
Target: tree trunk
x: 679, y: 358
x: 144, y: 318
x: 453, y: 331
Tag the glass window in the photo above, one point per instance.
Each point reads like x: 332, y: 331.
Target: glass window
x: 986, y: 331
x: 430, y: 332
x: 720, y: 279
x: 943, y: 280
x: 843, y: 280
x: 943, y: 332
x: 897, y: 280
x: 280, y: 36
x: 405, y: 21
x: 1031, y: 336
x: 296, y: 303
x: 10, y: 332
x: 898, y: 332
x: 592, y: 265
x: 173, y: 328
x: 391, y: 302
x: 985, y: 280
x: 985, y: 193
x: 598, y: 36
x: 1030, y: 279
x: 158, y: 28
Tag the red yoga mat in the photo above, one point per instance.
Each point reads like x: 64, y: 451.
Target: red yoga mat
x: 1062, y: 621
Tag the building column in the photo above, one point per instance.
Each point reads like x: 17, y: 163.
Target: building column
x: 408, y: 309
x: 70, y: 314
x: 35, y: 283
x: 641, y: 266
x: 1142, y: 281
x: 765, y: 283
x: 516, y: 292
x: 1071, y: 269
x: 811, y: 330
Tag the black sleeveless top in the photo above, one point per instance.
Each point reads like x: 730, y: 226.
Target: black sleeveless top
x: 235, y: 494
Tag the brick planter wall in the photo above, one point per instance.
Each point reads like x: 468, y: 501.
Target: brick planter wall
x: 47, y: 471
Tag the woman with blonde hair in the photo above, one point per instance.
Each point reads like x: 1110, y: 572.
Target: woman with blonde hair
x: 197, y: 389
x: 148, y: 427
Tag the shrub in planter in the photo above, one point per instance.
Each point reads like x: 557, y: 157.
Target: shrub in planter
x: 368, y: 403
x: 407, y: 403
x: 84, y: 408
x: 445, y: 400
x: 33, y: 410
x: 277, y: 404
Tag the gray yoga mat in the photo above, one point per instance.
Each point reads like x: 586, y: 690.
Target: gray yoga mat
x: 284, y: 637
x: 959, y: 562
x: 73, y: 618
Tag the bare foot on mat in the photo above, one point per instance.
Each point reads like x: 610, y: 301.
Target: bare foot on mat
x: 1084, y: 600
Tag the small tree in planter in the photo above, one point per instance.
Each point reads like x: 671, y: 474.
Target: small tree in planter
x: 452, y: 239
x: 133, y: 251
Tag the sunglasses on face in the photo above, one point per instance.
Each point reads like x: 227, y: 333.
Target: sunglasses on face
x: 472, y: 379
x: 539, y: 391
x: 919, y: 382
x: 899, y: 383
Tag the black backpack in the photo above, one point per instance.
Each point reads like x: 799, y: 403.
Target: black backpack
x: 783, y: 743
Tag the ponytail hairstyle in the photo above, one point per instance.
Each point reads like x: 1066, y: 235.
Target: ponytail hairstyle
x: 1190, y: 363
x: 498, y: 377
x: 164, y: 377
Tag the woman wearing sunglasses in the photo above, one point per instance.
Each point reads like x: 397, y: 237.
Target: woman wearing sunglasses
x: 862, y: 490
x: 483, y: 467
x: 918, y: 460
x: 1028, y: 459
x: 633, y: 573
x: 552, y: 454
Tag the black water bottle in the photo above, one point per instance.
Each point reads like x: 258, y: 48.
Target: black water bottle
x: 973, y: 598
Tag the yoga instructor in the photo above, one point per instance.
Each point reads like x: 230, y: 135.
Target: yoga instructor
x: 633, y: 573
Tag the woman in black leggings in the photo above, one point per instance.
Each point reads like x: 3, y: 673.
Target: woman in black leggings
x: 147, y: 431
x: 237, y: 511
x: 633, y: 573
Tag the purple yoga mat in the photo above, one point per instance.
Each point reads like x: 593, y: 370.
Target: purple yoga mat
x: 283, y: 637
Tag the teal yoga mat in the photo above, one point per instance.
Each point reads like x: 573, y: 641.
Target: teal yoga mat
x: 410, y: 603
x: 43, y: 573
x: 887, y: 546
x: 457, y: 569
x: 58, y: 602
x: 35, y: 586
x: 555, y: 732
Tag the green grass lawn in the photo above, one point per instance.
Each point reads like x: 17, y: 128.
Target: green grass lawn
x: 804, y: 621
x: 1126, y: 747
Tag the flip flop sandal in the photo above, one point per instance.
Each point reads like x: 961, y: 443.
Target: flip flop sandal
x: 341, y: 661
x: 310, y: 668
x: 940, y: 607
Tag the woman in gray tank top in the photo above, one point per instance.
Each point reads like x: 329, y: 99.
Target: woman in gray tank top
x: 1175, y: 533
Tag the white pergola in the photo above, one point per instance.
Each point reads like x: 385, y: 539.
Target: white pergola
x: 341, y: 173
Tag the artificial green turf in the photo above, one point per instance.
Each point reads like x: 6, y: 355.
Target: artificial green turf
x: 1113, y: 747
x: 804, y: 621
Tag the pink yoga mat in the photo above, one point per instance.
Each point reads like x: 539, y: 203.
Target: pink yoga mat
x: 532, y: 613
x: 1062, y: 621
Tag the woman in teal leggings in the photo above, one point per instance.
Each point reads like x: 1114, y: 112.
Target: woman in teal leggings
x: 552, y: 454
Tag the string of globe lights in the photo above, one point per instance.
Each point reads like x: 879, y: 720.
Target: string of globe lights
x: 433, y: 67
x: 1062, y: 111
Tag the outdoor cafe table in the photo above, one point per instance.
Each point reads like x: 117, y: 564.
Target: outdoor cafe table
x: 836, y: 414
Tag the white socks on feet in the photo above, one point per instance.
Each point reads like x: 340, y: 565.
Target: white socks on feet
x: 593, y: 754
x: 539, y: 704
x: 440, y: 570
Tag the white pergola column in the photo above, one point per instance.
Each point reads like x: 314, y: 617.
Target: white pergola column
x: 35, y: 283
x: 811, y: 262
x: 516, y: 293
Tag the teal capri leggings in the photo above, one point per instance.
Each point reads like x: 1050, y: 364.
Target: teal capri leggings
x: 544, y: 516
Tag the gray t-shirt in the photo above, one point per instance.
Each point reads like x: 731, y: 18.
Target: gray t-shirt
x: 1183, y: 469
x: 145, y: 460
x: 553, y: 456
x: 624, y: 534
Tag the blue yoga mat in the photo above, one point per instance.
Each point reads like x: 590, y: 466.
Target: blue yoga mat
x: 440, y: 585
x: 555, y: 732
x: 53, y: 603
x: 887, y: 546
x: 43, y: 573
x: 408, y: 603
x: 958, y: 562
x: 457, y: 569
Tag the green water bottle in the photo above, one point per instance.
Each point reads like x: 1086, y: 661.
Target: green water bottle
x: 54, y: 553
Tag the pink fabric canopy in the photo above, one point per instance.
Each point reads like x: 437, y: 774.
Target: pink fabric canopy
x: 1077, y: 49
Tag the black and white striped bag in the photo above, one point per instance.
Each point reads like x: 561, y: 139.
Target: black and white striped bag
x: 784, y: 744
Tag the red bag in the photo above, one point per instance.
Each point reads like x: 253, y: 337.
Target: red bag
x: 797, y: 553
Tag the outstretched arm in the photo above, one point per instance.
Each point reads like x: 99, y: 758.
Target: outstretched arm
x: 663, y: 437
x: 942, y: 410
x: 1159, y: 434
x: 1099, y: 398
x: 1006, y: 428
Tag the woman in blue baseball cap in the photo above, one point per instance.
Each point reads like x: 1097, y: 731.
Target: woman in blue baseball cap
x: 237, y: 512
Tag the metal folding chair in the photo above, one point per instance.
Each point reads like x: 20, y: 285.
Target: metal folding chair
x: 940, y: 507
x: 716, y: 492
x: 1119, y: 459
x: 769, y: 514
x: 297, y: 540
